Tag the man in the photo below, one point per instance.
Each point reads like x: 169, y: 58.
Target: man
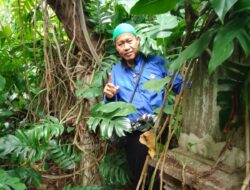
x: 123, y: 83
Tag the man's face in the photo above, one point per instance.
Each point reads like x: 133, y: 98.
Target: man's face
x: 127, y: 46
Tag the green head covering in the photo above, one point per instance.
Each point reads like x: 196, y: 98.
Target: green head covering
x: 123, y: 28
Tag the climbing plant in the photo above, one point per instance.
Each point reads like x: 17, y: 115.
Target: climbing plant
x: 48, y: 81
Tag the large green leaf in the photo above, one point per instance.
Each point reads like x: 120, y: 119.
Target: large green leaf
x: 90, y: 92
x: 223, y: 43
x: 4, y: 113
x: 221, y: 7
x: 122, y: 125
x: 2, y: 82
x: 242, y: 5
x: 46, y: 129
x: 93, y: 122
x: 163, y: 34
x: 219, y: 56
x: 156, y: 85
x: 121, y: 108
x: 31, y: 144
x: 104, y: 128
x: 152, y: 7
x: 167, y: 21
x: 7, y: 182
x: 108, y: 126
x: 63, y: 155
x: 8, y: 144
x: 27, y: 174
x: 244, y: 40
x: 193, y: 50
x: 127, y: 4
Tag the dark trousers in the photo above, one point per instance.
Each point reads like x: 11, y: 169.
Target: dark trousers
x: 136, y: 156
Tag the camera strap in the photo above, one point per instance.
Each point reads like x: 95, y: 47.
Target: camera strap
x: 137, y: 82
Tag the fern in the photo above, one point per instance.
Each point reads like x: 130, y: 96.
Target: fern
x: 8, y: 183
x: 31, y: 144
x: 63, y: 155
x: 114, y: 169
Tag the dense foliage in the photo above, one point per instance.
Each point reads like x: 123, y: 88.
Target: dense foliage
x: 33, y: 141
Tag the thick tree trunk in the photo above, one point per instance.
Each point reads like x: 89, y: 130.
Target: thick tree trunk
x: 72, y: 17
x: 65, y: 11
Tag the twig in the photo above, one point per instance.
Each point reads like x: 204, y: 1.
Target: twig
x: 84, y: 29
x: 46, y: 56
x: 247, y: 131
x: 223, y: 150
x: 71, y: 110
x: 183, y: 175
x: 246, y: 182
x: 143, y: 172
x: 67, y: 175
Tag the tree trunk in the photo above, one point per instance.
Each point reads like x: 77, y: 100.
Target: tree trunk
x: 70, y: 13
x: 65, y: 10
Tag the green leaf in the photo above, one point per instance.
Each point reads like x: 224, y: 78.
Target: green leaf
x: 122, y: 125
x: 98, y: 79
x: 8, y: 144
x: 152, y: 7
x: 31, y: 144
x: 242, y: 5
x: 221, y: 7
x: 194, y: 50
x: 93, y: 122
x: 167, y: 21
x: 27, y: 174
x: 121, y: 108
x: 167, y: 109
x: 219, y: 56
x: 223, y: 43
x: 156, y: 85
x: 107, y: 126
x: 8, y: 182
x: 241, y: 68
x: 104, y: 128
x: 89, y: 92
x: 163, y: 34
x: 63, y: 155
x: 127, y: 4
x: 2, y: 83
x: 114, y: 169
x: 5, y: 113
x: 244, y: 40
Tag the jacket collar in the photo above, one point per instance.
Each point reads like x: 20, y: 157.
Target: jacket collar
x: 140, y: 57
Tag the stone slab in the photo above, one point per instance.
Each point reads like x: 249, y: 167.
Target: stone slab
x: 196, y: 172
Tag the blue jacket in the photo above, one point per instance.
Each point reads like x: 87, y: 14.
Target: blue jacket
x: 145, y: 101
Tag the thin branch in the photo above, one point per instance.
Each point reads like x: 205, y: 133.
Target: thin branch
x: 246, y: 182
x: 85, y: 32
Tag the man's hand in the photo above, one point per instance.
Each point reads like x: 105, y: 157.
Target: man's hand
x: 110, y: 90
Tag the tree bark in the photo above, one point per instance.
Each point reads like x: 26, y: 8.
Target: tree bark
x: 72, y: 17
x: 65, y: 10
